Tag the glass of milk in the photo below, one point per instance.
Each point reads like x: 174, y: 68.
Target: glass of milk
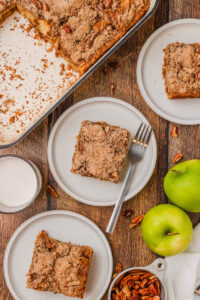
x: 20, y: 183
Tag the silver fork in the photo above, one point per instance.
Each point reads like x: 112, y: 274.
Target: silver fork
x: 135, y: 154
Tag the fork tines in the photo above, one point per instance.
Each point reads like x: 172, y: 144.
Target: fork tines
x: 143, y: 135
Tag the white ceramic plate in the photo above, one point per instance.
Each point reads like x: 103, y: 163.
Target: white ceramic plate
x: 62, y: 142
x: 59, y: 225
x: 149, y: 72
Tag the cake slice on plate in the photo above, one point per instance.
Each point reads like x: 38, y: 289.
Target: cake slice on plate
x: 59, y: 267
x: 181, y: 70
x: 100, y: 151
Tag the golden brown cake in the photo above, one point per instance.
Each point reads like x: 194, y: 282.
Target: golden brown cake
x: 181, y: 70
x: 59, y: 267
x: 82, y: 30
x: 100, y: 151
x: 6, y: 9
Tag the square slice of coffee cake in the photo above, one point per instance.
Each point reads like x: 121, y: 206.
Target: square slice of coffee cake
x: 181, y: 70
x: 100, y: 151
x: 59, y: 267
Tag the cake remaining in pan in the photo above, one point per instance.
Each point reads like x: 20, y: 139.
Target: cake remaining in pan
x: 81, y: 30
x: 181, y: 70
x: 59, y: 267
x: 100, y: 151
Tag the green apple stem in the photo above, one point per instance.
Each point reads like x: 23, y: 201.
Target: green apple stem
x: 171, y: 233
x: 179, y: 172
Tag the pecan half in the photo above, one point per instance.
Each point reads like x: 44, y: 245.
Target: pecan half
x: 152, y: 290
x: 127, y: 291
x: 136, y: 221
x: 113, y: 64
x: 105, y: 70
x: 175, y: 131
x: 2, y: 3
x: 127, y: 213
x: 144, y: 291
x: 118, y: 269
x: 177, y: 157
x: 112, y: 89
x: 51, y: 191
x: 37, y: 4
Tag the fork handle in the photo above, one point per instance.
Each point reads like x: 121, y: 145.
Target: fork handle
x: 120, y: 200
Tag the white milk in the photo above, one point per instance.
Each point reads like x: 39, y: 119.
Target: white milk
x: 18, y: 181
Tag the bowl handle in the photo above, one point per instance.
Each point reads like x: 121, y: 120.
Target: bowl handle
x: 158, y: 267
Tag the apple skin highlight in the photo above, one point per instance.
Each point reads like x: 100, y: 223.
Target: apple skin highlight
x: 182, y: 185
x: 161, y: 220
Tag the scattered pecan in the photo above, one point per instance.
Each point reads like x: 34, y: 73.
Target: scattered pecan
x: 45, y: 7
x: 37, y: 4
x: 67, y: 28
x: 175, y: 131
x: 113, y: 64
x: 2, y: 3
x: 112, y: 89
x: 136, y: 221
x: 1, y: 96
x: 133, y: 286
x: 105, y: 70
x: 177, y: 157
x: 118, y: 269
x: 127, y: 213
x: 52, y: 191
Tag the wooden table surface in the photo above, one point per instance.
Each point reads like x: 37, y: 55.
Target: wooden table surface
x: 127, y: 244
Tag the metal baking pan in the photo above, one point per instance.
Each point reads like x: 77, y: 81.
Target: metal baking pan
x: 3, y: 144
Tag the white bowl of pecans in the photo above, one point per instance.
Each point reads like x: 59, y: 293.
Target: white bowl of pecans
x: 146, y: 283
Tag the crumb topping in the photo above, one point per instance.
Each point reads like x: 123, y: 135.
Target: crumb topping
x: 101, y: 151
x: 181, y: 70
x: 59, y: 267
x: 80, y: 29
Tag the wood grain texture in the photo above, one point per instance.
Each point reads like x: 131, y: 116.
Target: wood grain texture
x: 127, y: 244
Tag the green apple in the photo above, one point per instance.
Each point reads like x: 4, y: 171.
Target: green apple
x: 182, y: 185
x: 167, y: 230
